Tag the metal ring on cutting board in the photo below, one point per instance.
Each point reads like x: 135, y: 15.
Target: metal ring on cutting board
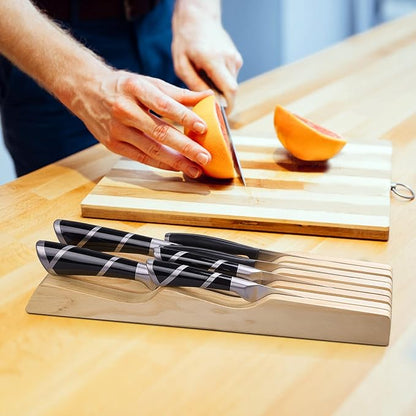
x: 395, y: 188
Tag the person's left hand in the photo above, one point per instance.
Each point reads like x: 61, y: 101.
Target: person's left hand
x: 200, y: 43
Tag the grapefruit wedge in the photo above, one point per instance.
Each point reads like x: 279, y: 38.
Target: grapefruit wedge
x: 304, y: 139
x: 215, y: 140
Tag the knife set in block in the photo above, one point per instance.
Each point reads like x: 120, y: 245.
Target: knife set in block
x: 198, y: 281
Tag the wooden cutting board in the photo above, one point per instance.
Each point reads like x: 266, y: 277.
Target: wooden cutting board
x: 348, y: 196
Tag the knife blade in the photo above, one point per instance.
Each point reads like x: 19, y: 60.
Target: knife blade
x: 61, y: 259
x: 236, y: 160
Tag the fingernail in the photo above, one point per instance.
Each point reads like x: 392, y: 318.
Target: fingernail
x: 202, y: 158
x: 194, y: 172
x: 199, y: 127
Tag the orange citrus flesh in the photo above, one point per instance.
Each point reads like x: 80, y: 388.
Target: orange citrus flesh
x: 305, y: 140
x: 215, y: 140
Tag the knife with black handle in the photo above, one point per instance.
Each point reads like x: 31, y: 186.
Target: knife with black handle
x: 171, y: 274
x: 213, y: 243
x: 64, y: 259
x: 207, y: 261
x: 96, y: 237
x: 259, y: 255
x: 107, y: 239
x: 100, y: 238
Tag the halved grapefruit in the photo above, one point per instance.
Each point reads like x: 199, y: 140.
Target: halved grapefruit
x: 304, y: 139
x: 215, y: 140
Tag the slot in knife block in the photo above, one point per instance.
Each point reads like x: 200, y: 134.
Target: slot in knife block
x: 123, y: 300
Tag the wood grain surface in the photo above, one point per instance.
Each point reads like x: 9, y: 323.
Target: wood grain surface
x: 362, y: 88
x: 310, y: 312
x: 347, y: 196
x: 329, y: 301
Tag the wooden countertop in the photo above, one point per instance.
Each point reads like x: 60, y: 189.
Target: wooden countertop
x: 364, y: 88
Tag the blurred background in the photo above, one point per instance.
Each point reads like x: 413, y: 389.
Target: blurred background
x: 270, y: 33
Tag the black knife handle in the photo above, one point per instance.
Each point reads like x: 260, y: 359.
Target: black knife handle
x: 199, y: 259
x: 165, y: 273
x: 212, y: 243
x: 212, y: 254
x: 63, y: 259
x: 218, y: 255
x: 100, y: 238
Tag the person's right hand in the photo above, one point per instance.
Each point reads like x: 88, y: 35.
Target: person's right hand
x: 116, y: 106
x: 200, y: 45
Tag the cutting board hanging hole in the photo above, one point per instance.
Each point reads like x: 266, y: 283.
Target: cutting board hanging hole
x: 402, y: 191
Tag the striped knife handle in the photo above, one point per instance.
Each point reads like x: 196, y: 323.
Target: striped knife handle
x: 165, y: 273
x: 100, y: 238
x: 200, y: 259
x: 62, y: 259
x: 213, y: 243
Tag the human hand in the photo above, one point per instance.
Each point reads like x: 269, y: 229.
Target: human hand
x: 116, y: 110
x: 114, y: 105
x: 200, y: 43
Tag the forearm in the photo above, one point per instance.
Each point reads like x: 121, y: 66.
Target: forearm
x: 45, y: 52
x: 114, y: 105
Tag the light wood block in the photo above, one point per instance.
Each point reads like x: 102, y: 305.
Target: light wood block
x: 345, y: 316
x: 348, y: 196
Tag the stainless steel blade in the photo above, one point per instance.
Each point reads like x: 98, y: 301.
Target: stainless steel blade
x: 307, y: 283
x: 340, y: 263
x: 236, y: 161
x: 252, y: 292
x: 312, y: 264
x: 219, y: 96
x: 265, y: 278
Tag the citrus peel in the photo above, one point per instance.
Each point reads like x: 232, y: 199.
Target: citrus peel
x: 304, y: 139
x: 215, y: 140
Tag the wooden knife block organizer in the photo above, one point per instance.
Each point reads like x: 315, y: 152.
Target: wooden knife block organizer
x: 123, y: 300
